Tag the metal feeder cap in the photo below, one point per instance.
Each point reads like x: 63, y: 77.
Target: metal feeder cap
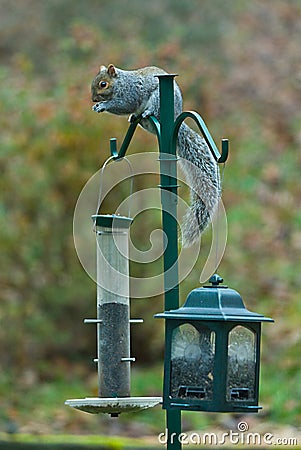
x: 111, y: 221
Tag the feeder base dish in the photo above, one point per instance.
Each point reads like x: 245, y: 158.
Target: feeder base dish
x: 113, y: 406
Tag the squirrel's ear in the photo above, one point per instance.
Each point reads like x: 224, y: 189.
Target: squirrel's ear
x: 102, y: 68
x: 111, y: 70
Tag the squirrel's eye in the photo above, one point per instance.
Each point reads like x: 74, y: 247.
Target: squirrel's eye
x: 103, y: 84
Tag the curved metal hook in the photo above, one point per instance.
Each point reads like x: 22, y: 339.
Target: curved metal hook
x: 126, y: 142
x: 157, y: 126
x: 127, y: 139
x: 220, y: 158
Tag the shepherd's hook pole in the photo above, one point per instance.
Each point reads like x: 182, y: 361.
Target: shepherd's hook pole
x: 169, y: 187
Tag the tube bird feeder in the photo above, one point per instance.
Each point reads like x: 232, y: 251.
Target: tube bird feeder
x: 113, y: 322
x: 113, y: 326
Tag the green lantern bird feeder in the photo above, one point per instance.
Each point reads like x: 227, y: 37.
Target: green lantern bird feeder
x: 212, y: 352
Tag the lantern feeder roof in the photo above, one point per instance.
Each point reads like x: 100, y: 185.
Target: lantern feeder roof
x: 214, y: 302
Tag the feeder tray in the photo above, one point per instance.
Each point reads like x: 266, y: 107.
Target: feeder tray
x: 113, y: 406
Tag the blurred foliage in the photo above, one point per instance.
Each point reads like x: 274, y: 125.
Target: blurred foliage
x: 239, y: 66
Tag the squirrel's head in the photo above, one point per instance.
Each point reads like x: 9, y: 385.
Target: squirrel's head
x: 102, y: 85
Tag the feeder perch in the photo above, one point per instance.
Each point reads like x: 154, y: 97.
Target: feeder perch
x: 212, y: 352
x: 113, y: 322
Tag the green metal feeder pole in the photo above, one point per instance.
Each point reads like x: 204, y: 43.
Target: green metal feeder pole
x: 169, y: 187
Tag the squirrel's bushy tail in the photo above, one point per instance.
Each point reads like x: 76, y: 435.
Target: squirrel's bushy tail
x: 202, y: 176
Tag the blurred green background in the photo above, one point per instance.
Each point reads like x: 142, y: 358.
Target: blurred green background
x: 239, y: 66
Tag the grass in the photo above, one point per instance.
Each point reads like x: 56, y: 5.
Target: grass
x: 68, y: 442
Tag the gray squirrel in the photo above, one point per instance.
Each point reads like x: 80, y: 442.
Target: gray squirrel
x: 136, y: 92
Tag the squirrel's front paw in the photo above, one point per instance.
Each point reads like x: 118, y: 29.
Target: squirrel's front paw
x: 99, y: 107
